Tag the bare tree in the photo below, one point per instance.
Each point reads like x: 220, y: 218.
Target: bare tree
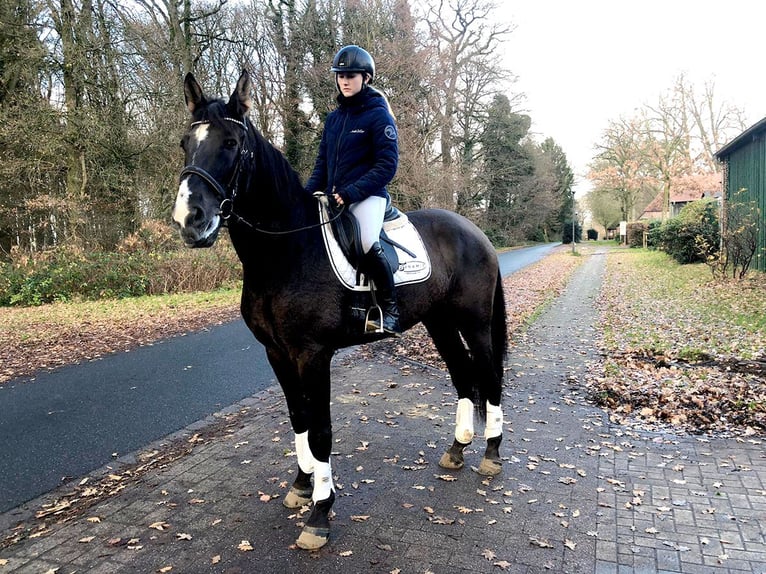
x: 465, y: 39
x: 621, y: 168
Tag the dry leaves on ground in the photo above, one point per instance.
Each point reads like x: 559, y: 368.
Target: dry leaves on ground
x: 526, y: 293
x: 47, y: 337
x: 681, y: 350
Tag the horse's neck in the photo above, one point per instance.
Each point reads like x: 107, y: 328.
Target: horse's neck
x: 279, y: 209
x: 281, y: 200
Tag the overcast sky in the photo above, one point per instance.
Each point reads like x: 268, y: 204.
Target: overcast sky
x: 582, y: 63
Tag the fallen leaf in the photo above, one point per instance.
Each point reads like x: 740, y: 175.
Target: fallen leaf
x: 245, y: 546
x: 540, y: 542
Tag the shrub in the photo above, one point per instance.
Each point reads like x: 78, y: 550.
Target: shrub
x: 144, y: 265
x: 636, y: 234
x: 592, y: 235
x: 680, y: 236
x: 566, y: 232
x: 653, y: 236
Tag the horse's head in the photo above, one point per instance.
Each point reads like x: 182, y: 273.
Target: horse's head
x: 214, y: 146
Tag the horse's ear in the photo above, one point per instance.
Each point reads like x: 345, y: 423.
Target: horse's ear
x: 240, y: 102
x: 193, y: 93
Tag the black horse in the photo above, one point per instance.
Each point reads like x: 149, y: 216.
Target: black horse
x: 296, y: 307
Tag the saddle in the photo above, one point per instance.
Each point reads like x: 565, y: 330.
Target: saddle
x: 345, y: 228
x: 399, y: 239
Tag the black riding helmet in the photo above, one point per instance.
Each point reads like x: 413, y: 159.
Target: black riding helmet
x: 353, y: 59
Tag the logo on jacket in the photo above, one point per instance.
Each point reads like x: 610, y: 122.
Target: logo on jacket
x: 390, y: 132
x: 357, y: 131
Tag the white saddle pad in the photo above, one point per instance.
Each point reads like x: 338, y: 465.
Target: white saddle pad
x: 411, y: 269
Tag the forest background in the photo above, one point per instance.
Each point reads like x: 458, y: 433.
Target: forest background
x: 91, y: 113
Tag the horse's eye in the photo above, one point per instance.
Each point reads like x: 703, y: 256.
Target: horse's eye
x: 230, y: 143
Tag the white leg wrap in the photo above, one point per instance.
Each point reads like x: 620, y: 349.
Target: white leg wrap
x: 494, y: 426
x: 464, y: 421
x: 303, y: 452
x: 322, y: 481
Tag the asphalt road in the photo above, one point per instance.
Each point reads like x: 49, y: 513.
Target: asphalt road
x: 68, y: 422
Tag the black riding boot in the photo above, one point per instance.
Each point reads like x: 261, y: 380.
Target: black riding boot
x: 377, y: 268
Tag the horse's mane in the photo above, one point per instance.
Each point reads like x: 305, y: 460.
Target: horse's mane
x: 273, y: 183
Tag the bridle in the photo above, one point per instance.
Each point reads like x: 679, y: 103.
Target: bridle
x: 228, y: 195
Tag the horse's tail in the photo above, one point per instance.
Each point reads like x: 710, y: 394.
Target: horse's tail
x: 499, y: 330
x: 491, y: 388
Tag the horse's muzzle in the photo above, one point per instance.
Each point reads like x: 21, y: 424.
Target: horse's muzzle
x: 193, y: 236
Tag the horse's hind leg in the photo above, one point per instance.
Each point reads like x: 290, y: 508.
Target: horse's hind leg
x: 450, y: 345
x: 485, y: 371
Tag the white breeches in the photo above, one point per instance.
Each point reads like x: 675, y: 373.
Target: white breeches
x: 369, y: 213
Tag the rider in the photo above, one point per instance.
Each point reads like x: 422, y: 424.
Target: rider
x: 357, y: 158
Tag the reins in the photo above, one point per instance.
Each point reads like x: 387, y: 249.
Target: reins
x: 297, y: 229
x: 226, y: 207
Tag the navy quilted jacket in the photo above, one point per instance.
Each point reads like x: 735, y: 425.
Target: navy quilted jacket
x: 359, y: 152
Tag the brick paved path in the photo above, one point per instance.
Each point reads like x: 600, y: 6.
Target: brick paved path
x: 577, y: 493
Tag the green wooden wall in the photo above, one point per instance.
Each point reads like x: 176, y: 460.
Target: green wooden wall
x: 746, y: 170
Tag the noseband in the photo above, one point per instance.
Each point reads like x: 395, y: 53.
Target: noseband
x: 227, y: 196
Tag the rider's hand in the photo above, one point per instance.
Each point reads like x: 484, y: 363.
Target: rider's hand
x: 338, y: 199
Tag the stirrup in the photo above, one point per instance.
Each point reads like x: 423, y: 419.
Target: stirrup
x: 369, y: 325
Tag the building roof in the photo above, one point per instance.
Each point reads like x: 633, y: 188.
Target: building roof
x: 655, y: 206
x: 744, y: 138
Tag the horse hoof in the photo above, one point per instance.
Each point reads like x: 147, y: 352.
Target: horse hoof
x: 490, y: 467
x: 297, y: 498
x: 313, y: 538
x: 451, y: 462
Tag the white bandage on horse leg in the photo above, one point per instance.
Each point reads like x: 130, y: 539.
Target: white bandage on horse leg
x: 494, y: 426
x: 322, y: 481
x: 303, y: 452
x: 464, y: 421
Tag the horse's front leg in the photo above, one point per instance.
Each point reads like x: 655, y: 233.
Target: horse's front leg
x: 314, y: 373
x: 287, y: 374
x: 301, y: 490
x: 316, y: 531
x: 306, y: 385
